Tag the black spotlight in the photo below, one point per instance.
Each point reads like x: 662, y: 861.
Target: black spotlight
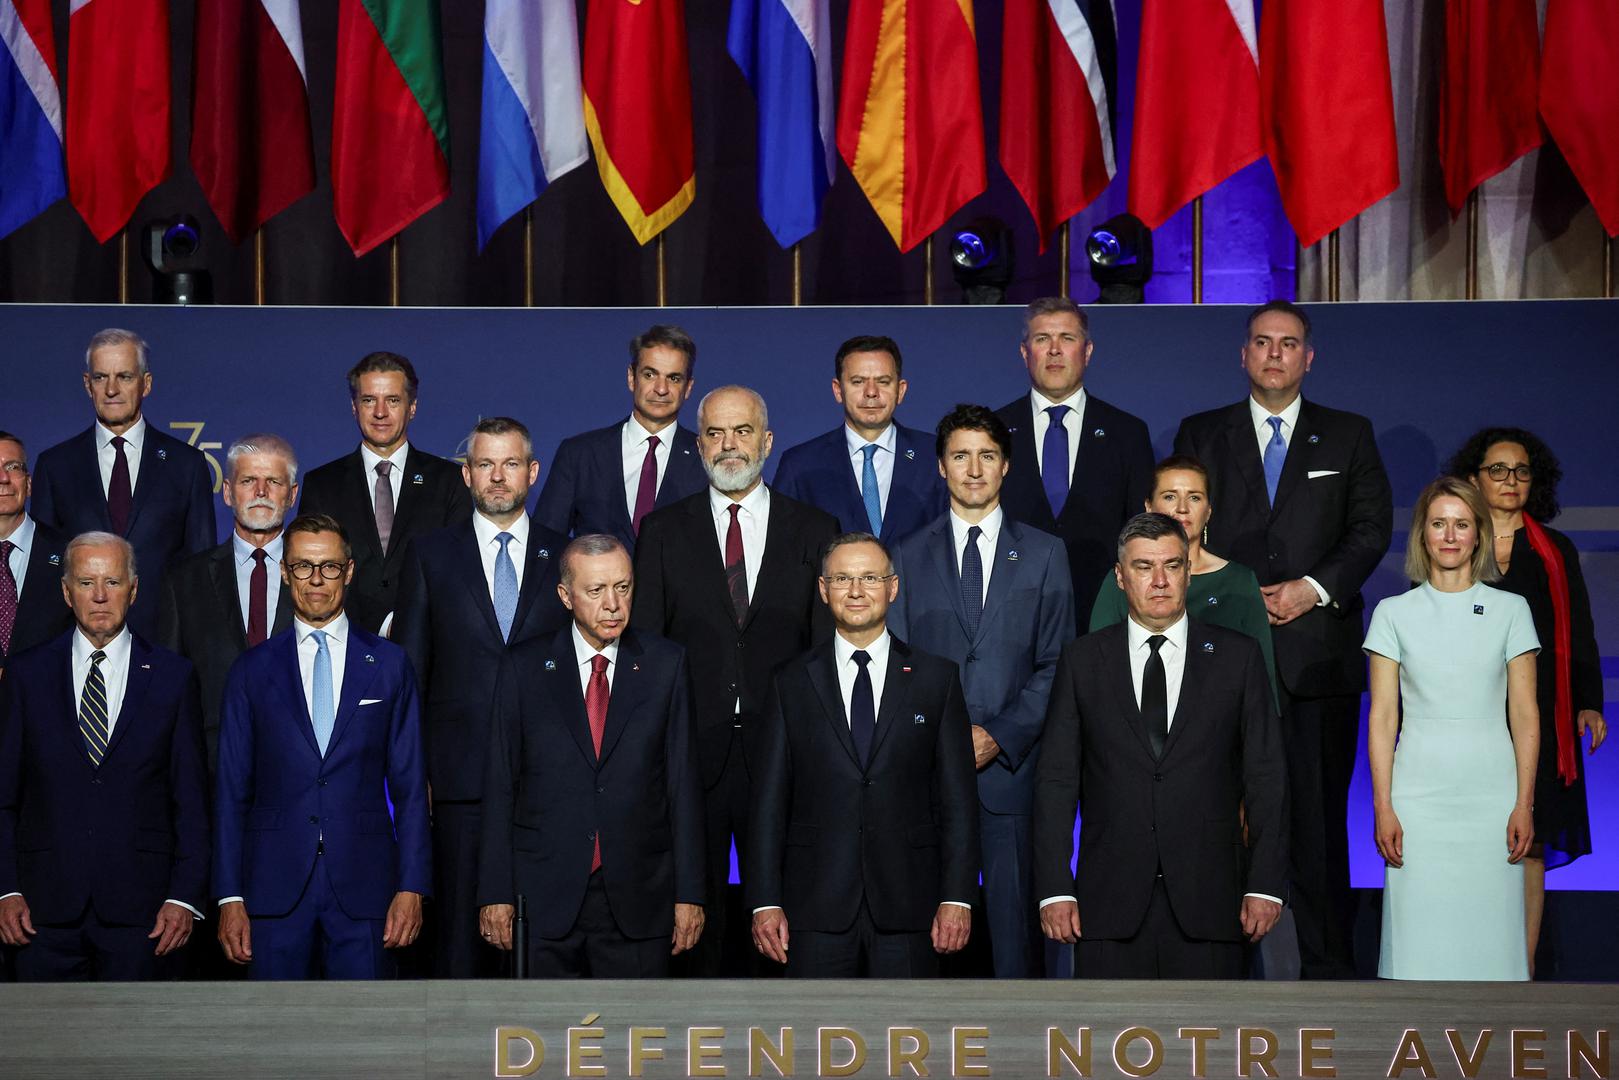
x: 172, y: 250
x: 981, y: 260
x: 1120, y: 251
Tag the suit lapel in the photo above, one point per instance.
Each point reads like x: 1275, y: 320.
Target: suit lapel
x: 538, y: 558
x: 823, y: 676
x: 1199, y: 656
x: 366, y: 485
x: 283, y: 611
x: 942, y: 553
x: 291, y: 683
x: 568, y: 695
x: 359, y: 672
x: 1025, y: 476
x: 222, y: 575
x: 1295, y: 465
x: 895, y: 705
x: 469, y: 564
x: 605, y: 459
x: 90, y: 466
x: 701, y: 537
x: 852, y: 503
x: 140, y: 677
x: 412, y: 492
x: 773, y: 563
x: 64, y: 682
x: 1117, y: 669
x: 1003, y: 567
x: 1242, y: 448
x: 684, y: 471
x: 629, y: 690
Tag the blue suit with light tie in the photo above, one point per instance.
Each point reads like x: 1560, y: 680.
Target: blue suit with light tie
x: 821, y: 472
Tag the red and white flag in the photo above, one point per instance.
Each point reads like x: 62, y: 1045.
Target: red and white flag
x: 1488, y: 97
x: 1579, y: 97
x: 117, y: 108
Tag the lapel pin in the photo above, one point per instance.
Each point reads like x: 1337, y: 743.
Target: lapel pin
x: 906, y: 670
x: 550, y: 665
x: 543, y: 553
x: 910, y: 455
x: 1313, y: 439
x: 686, y: 452
x: 1214, y: 601
x: 417, y: 479
x: 919, y: 719
x: 1012, y: 429
x: 1011, y: 556
x: 162, y: 455
x: 635, y: 667
x: 1208, y: 646
x: 370, y: 659
x: 55, y: 560
x: 1099, y: 433
x: 146, y: 667
x: 1478, y: 609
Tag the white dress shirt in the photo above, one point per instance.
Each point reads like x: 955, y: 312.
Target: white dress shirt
x: 753, y: 520
x: 585, y: 652
x: 991, y: 526
x: 133, y: 440
x: 486, y: 532
x: 1262, y: 434
x: 22, y: 539
x: 633, y: 438
x: 242, y: 553
x: 1073, y: 421
x: 337, y: 636
x: 882, y: 461
x: 396, y: 475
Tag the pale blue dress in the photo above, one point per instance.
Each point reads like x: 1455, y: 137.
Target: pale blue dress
x: 1455, y: 910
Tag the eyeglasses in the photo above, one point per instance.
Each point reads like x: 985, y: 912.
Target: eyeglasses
x: 1500, y: 469
x: 841, y: 582
x: 14, y: 468
x: 303, y: 571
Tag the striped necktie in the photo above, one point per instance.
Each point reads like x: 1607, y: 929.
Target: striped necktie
x: 93, y: 711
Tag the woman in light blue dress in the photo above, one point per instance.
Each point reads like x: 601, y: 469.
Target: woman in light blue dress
x: 1454, y: 798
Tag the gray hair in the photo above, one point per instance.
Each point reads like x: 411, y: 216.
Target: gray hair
x: 99, y: 539
x: 764, y: 410
x: 587, y: 546
x: 845, y: 539
x: 1151, y: 526
x: 114, y: 336
x: 262, y: 443
x: 502, y: 425
x: 1054, y: 305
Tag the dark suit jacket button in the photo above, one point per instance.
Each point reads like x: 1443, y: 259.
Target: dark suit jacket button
x: 1157, y: 776
x: 590, y: 836
x: 600, y: 790
x: 971, y: 658
x: 386, y: 583
x: 866, y: 782
x: 741, y: 644
x: 96, y: 781
x: 314, y: 820
x: 321, y: 781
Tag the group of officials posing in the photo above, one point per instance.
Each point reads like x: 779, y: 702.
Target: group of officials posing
x: 414, y: 703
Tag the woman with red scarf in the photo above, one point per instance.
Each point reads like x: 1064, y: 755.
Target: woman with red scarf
x: 1517, y: 474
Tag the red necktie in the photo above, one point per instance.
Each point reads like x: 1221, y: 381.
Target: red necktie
x: 119, y: 497
x: 736, y: 569
x: 596, y: 712
x: 647, y: 493
x: 257, y: 600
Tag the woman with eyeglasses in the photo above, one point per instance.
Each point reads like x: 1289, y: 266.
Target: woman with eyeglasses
x: 1517, y: 474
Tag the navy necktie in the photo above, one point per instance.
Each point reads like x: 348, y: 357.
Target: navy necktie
x: 972, y: 581
x: 1155, y: 697
x: 862, y: 709
x: 1275, y: 457
x: 1054, y: 460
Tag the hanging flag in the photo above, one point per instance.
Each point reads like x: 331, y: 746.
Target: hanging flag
x: 250, y: 142
x: 390, y: 126
x: 117, y: 108
x: 533, y: 125
x: 784, y: 48
x: 1197, y: 102
x: 638, y: 109
x: 1579, y: 97
x: 1059, y: 90
x: 1488, y: 97
x: 910, y: 122
x: 30, y: 114
x: 1327, y: 108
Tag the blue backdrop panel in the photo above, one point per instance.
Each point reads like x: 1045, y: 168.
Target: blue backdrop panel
x: 1427, y: 375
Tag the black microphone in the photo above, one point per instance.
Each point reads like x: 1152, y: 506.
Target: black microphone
x: 520, y: 939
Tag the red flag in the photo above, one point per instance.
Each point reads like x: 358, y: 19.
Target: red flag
x: 117, y: 108
x: 1059, y: 60
x: 1487, y: 98
x: 1197, y: 102
x: 1327, y: 104
x: 250, y: 141
x: 1579, y: 97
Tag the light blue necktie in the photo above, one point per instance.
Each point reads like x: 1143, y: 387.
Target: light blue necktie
x: 868, y: 490
x: 1275, y: 455
x: 505, y: 588
x: 1054, y: 460
x: 323, y: 710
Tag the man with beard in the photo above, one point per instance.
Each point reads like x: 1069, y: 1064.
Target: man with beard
x: 731, y: 574
x: 466, y: 592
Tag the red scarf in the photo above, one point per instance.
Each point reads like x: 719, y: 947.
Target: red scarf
x: 1568, y: 747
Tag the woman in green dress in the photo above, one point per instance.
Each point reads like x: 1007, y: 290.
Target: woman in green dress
x: 1223, y: 593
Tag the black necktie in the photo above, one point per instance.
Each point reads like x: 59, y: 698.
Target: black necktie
x: 1155, y: 698
x: 972, y: 581
x: 862, y: 709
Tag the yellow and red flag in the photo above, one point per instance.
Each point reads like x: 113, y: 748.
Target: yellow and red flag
x: 910, y: 120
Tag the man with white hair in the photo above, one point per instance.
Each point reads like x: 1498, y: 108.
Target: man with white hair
x: 731, y: 574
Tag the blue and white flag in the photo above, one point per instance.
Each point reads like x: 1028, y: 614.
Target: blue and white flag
x: 533, y: 127
x: 784, y: 47
x: 31, y: 172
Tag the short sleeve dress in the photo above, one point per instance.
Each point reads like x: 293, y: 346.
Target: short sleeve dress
x: 1454, y: 911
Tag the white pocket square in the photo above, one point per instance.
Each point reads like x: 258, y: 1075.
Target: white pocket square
x: 1316, y: 474
x: 371, y: 701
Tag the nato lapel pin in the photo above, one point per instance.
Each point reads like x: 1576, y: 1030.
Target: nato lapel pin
x: 162, y: 455
x: 543, y: 553
x: 146, y: 667
x: 1208, y: 646
x: 1099, y: 433
x: 417, y: 479
x: 1214, y: 601
x: 919, y: 719
x: 55, y: 560
x: 1011, y: 556
x: 1478, y: 609
x: 910, y: 455
x: 370, y: 659
x: 1313, y: 439
x: 550, y: 665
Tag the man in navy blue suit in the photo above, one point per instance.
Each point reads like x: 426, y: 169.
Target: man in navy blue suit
x: 103, y: 791
x: 466, y: 593
x: 607, y: 480
x: 31, y: 608
x: 125, y: 477
x: 318, y: 735
x: 872, y: 474
x: 991, y: 593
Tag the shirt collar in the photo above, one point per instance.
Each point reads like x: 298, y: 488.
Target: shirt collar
x: 1261, y: 415
x: 1075, y: 401
x: 843, y: 651
x: 887, y: 440
x: 1175, y: 632
x: 337, y: 631
x: 243, y: 551
x: 637, y: 433
x: 486, y: 530
x: 991, y: 526
x: 22, y: 537
x: 132, y: 438
x: 117, y: 649
x: 755, y: 503
x: 584, y: 652
x: 397, y: 458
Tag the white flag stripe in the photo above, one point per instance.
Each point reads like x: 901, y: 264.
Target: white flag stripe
x: 31, y: 62
x: 1076, y: 33
x: 523, y: 36
x: 288, y: 23
x: 1242, y: 12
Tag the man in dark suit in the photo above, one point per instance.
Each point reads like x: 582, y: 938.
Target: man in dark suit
x: 219, y: 603
x: 29, y: 552
x: 871, y: 473
x: 387, y: 490
x: 1080, y: 467
x: 992, y: 595
x: 593, y: 807
x: 321, y: 850
x: 125, y: 477
x: 730, y: 574
x: 607, y: 480
x: 863, y: 858
x: 465, y: 593
x: 1301, y: 498
x: 103, y: 792
x: 1162, y: 731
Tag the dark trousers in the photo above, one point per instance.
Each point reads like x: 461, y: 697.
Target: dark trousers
x: 724, y: 948
x: 862, y: 951
x: 595, y: 948
x: 459, y: 950
x: 1320, y: 737
x: 1009, y: 905
x: 90, y: 950
x: 1159, y: 950
x: 318, y: 939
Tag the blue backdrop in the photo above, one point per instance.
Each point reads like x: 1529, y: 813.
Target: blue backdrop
x: 1427, y: 375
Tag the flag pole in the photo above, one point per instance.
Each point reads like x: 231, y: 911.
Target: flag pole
x: 1607, y: 265
x: 123, y: 267
x: 1197, y: 250
x: 663, y: 280
x: 1472, y: 244
x: 798, y: 274
x: 927, y: 266
x: 1332, y: 266
x: 1063, y: 284
x: 393, y: 271
x: 528, y: 256
x: 258, y: 266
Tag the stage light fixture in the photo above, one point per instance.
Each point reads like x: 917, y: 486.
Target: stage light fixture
x: 981, y: 259
x: 172, y: 250
x: 1120, y: 253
